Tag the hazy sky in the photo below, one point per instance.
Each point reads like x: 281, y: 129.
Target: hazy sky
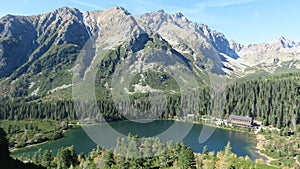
x: 246, y: 21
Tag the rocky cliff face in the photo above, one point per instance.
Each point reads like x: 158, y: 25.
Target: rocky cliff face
x: 35, y: 50
x: 38, y: 53
x: 186, y: 37
x: 113, y: 26
x: 18, y: 37
x: 280, y: 52
x: 25, y: 39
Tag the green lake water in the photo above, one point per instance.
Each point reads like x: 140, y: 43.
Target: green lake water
x: 242, y: 143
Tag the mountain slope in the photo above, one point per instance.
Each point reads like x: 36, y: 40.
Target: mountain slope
x: 17, y: 41
x: 278, y: 53
x: 186, y: 37
x: 48, y: 50
x: 38, y: 53
x: 58, y: 37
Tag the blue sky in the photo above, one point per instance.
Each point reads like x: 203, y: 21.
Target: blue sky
x: 246, y: 21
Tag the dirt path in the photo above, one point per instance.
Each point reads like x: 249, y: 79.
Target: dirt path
x: 261, y: 140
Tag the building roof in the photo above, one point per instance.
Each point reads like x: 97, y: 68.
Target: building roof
x: 243, y: 118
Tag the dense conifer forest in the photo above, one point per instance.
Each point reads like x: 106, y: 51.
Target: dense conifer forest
x: 273, y: 100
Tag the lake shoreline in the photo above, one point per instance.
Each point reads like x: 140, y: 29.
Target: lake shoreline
x: 32, y: 145
x: 254, y: 149
x: 73, y: 126
x: 259, y: 147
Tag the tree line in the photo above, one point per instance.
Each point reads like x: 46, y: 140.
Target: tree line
x: 273, y: 100
x: 135, y: 152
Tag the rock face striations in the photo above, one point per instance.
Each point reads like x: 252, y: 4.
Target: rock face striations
x: 38, y: 53
x: 278, y: 51
x: 24, y: 40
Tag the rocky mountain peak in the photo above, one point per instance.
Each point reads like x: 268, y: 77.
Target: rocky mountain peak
x: 66, y: 10
x: 52, y: 20
x: 273, y: 54
x: 235, y: 45
x: 185, y: 36
x: 9, y: 26
x: 283, y: 42
x: 161, y: 11
x: 156, y: 20
x: 30, y: 44
x: 179, y: 17
x: 208, y: 32
x: 218, y: 40
x: 113, y: 26
x: 117, y: 10
x: 64, y: 13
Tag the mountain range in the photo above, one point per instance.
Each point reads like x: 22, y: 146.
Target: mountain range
x: 38, y: 53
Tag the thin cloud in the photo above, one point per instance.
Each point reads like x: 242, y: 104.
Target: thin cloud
x: 87, y: 4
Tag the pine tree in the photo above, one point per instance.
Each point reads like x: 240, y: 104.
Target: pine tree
x: 205, y: 150
x: 226, y: 161
x: 228, y: 148
x: 186, y: 157
x: 46, y: 158
x: 108, y: 159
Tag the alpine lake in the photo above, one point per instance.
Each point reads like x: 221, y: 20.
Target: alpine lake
x: 215, y: 139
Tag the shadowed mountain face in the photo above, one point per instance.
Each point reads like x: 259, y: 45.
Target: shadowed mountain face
x: 38, y: 53
x: 25, y: 39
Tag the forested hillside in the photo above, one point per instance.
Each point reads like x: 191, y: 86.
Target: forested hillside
x: 275, y: 100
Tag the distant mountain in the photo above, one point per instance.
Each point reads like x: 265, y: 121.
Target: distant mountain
x: 38, y: 53
x: 278, y: 53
